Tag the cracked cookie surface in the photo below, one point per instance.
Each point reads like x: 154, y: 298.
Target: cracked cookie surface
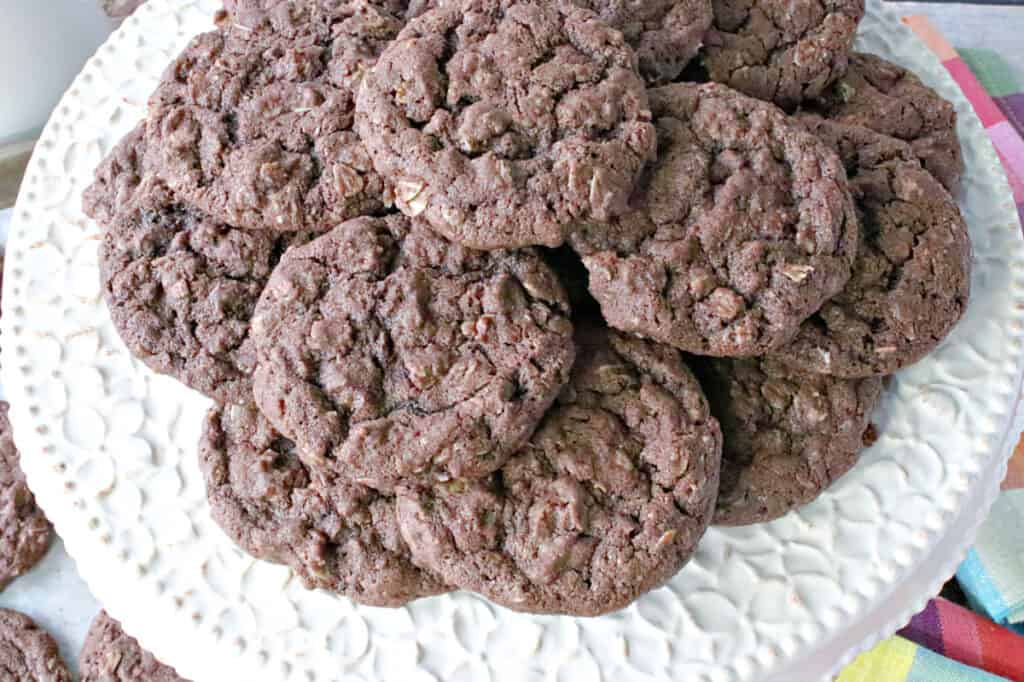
x: 110, y: 655
x: 388, y: 353
x: 739, y: 232
x: 27, y: 652
x: 779, y: 50
x: 25, y: 533
x: 788, y: 434
x: 335, y: 535
x: 606, y: 502
x: 501, y: 122
x: 911, y: 278
x: 252, y: 123
x: 891, y: 100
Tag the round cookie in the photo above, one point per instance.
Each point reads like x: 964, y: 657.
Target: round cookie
x: 606, y: 502
x: 388, y: 353
x: 911, y: 278
x: 788, y: 434
x: 335, y: 536
x: 117, y: 177
x: 503, y: 121
x: 780, y: 50
x: 739, y: 232
x: 110, y: 655
x: 24, y: 531
x: 893, y: 101
x: 181, y: 289
x: 28, y: 653
x: 252, y: 124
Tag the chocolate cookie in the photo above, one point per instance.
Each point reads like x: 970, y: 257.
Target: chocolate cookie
x: 181, y: 289
x: 502, y: 121
x: 24, y: 531
x: 893, y: 101
x: 335, y: 536
x: 788, y: 434
x: 779, y: 50
x: 117, y: 178
x: 388, y: 353
x: 109, y: 655
x: 740, y: 230
x: 606, y: 502
x: 28, y: 653
x: 911, y: 278
x: 251, y: 124
x: 666, y: 34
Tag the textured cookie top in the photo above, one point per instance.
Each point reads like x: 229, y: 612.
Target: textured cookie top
x: 891, y: 100
x: 24, y: 531
x: 666, y: 34
x: 251, y: 123
x: 500, y: 122
x: 117, y: 177
x: 388, y: 353
x: 779, y: 50
x: 606, y: 502
x: 28, y: 653
x: 741, y: 229
x: 788, y: 434
x: 181, y: 289
x: 911, y: 278
x: 109, y: 655
x: 335, y: 536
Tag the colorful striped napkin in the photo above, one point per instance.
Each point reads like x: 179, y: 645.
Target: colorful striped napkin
x: 946, y: 642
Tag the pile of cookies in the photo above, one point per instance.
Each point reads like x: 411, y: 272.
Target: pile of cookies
x: 519, y: 296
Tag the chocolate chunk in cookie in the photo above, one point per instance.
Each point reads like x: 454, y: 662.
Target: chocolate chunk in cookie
x: 501, y: 122
x: 181, y: 289
x: 911, y: 278
x: 335, y: 536
x: 606, y: 502
x: 780, y: 50
x: 891, y: 100
x: 740, y: 231
x: 27, y: 652
x: 109, y: 655
x: 788, y: 434
x: 24, y: 531
x: 251, y: 124
x: 388, y: 353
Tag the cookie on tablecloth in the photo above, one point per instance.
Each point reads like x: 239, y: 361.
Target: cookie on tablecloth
x: 788, y: 434
x: 740, y: 231
x: 891, y: 100
x: 336, y: 536
x: 503, y: 121
x: 388, y: 353
x: 911, y: 279
x: 110, y: 655
x: 24, y: 531
x: 780, y: 50
x: 27, y: 652
x: 606, y: 502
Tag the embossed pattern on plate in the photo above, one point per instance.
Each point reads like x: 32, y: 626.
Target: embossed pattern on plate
x: 110, y: 453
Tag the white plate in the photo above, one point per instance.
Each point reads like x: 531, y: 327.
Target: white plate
x: 109, y: 449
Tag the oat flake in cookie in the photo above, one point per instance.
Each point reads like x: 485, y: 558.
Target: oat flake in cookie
x: 181, y: 288
x: 788, y: 434
x: 606, y: 502
x: 251, y: 124
x: 782, y: 51
x: 28, y: 653
x: 109, y: 655
x: 336, y: 536
x: 500, y: 122
x: 911, y: 278
x: 24, y: 531
x: 740, y: 231
x: 392, y: 354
